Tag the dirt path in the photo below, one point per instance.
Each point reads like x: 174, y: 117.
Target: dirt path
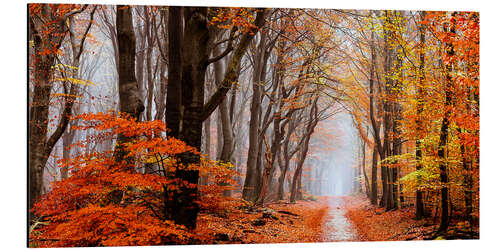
x: 338, y: 227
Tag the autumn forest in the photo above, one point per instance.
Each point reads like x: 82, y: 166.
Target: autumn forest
x: 168, y: 125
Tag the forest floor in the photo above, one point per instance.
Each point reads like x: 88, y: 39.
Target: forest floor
x: 323, y: 219
x: 279, y: 222
x: 375, y: 224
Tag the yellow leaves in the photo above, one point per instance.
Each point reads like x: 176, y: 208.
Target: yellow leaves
x: 65, y: 69
x: 65, y: 95
x: 74, y: 81
x: 65, y: 73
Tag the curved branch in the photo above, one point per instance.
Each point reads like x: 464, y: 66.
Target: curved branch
x: 229, y: 48
x: 231, y: 72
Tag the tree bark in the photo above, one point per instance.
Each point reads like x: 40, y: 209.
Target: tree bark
x: 420, y: 212
x: 374, y: 189
x: 443, y: 135
x: 225, y: 120
x: 187, y: 120
x: 128, y: 89
x: 309, y: 130
x: 387, y: 173
x: 149, y: 67
x: 367, y: 182
x: 250, y: 186
x: 40, y: 144
x: 173, y: 113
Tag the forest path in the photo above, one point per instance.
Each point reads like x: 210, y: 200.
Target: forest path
x: 339, y: 227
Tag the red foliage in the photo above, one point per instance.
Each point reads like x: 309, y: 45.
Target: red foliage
x: 104, y: 203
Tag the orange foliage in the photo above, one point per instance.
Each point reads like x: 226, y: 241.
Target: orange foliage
x: 375, y: 224
x: 104, y: 203
x: 226, y: 18
x: 52, y: 18
x: 305, y: 226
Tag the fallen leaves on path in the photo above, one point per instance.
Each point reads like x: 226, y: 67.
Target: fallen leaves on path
x: 276, y: 223
x: 375, y: 224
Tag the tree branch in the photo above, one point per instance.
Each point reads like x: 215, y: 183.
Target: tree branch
x: 231, y: 72
x: 229, y: 47
x: 70, y: 99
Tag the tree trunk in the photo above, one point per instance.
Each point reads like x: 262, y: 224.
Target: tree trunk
x: 374, y: 189
x: 397, y: 142
x: 420, y: 212
x: 67, y: 140
x: 40, y: 145
x: 267, y: 171
x: 173, y: 114
x: 129, y: 94
x: 281, y: 180
x: 149, y: 67
x: 250, y: 185
x: 443, y: 136
x: 467, y: 166
x: 184, y: 209
x: 39, y: 110
x: 225, y: 121
x: 188, y: 119
x: 387, y: 172
x: 367, y: 182
x: 309, y: 130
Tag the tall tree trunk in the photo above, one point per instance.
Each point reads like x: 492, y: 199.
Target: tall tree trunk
x: 250, y: 185
x: 388, y: 119
x: 219, y: 135
x: 309, y: 130
x: 67, y: 140
x: 467, y: 166
x: 184, y: 209
x: 299, y: 195
x: 140, y: 57
x: 149, y: 67
x: 443, y: 136
x: 397, y: 148
x: 192, y: 112
x: 273, y: 117
x: 161, y: 97
x: 40, y: 144
x: 265, y: 175
x: 225, y: 121
x: 420, y: 212
x: 383, y: 178
x: 281, y: 179
x: 259, y: 169
x: 377, y: 148
x: 128, y: 89
x: 173, y: 114
x: 367, y: 182
x: 397, y: 142
x: 207, y: 125
x: 38, y: 155
x: 374, y: 189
